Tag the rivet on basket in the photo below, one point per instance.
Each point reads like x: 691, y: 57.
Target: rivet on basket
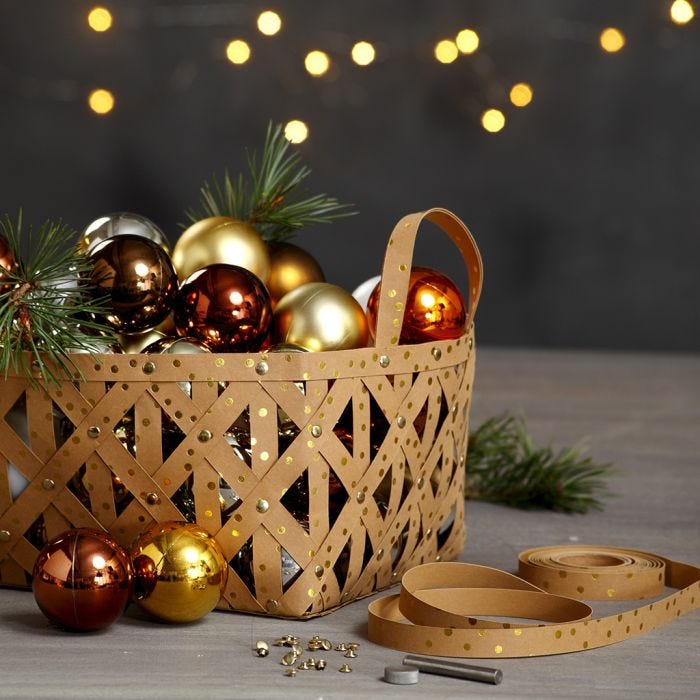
x: 420, y: 482
x: 48, y: 484
x: 470, y: 343
x: 455, y: 408
x: 262, y: 506
x: 429, y: 532
x: 316, y: 430
x: 149, y: 367
x: 5, y: 535
x: 384, y: 361
x: 261, y: 368
x: 360, y: 497
x: 437, y: 353
x: 400, y: 421
x: 204, y: 436
x: 152, y: 498
x: 271, y: 606
x: 318, y: 570
x: 93, y: 431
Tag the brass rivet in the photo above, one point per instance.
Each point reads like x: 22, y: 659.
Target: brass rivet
x: 297, y: 649
x: 314, y: 645
x: 149, y: 367
x: 470, y: 343
x: 291, y: 672
x: 262, y: 644
x: 316, y: 430
x: 360, y: 496
x: 437, y: 353
x: 262, y: 652
x: 380, y: 554
x: 455, y: 408
x: 93, y: 431
x: 262, y: 506
x: 303, y: 666
x: 320, y: 664
x: 341, y: 647
x: 438, y: 558
x: 289, y: 658
x: 400, y: 421
x: 350, y: 654
x: 326, y: 644
x: 261, y: 368
x: 48, y: 484
x: 353, y: 645
x: 204, y: 436
x: 319, y: 571
x: 420, y: 482
x: 384, y: 361
x: 5, y: 535
x: 345, y: 669
x: 152, y: 498
x: 429, y: 532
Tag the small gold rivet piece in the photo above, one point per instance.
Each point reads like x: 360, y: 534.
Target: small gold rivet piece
x: 262, y: 651
x: 437, y: 353
x: 316, y: 430
x: 341, y: 647
x: 380, y: 554
x: 289, y: 659
x: 420, y: 482
x: 353, y: 645
x: 262, y: 645
x: 48, y: 484
x: 152, y: 499
x: 204, y: 435
x: 314, y: 645
x: 149, y: 367
x: 400, y: 421
x: 438, y: 558
x: 297, y: 649
x: 360, y: 496
x: 262, y: 505
x: 93, y: 431
x: 320, y: 664
x: 280, y: 642
x: 326, y: 644
x: 345, y: 669
x: 384, y: 361
x: 350, y: 654
x: 5, y: 535
x: 318, y: 570
x: 291, y: 672
x: 261, y: 368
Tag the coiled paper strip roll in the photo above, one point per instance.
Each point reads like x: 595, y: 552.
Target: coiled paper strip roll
x: 437, y: 611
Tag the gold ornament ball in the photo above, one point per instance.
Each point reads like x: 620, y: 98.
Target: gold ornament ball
x: 220, y: 239
x: 181, y: 571
x: 136, y: 342
x: 290, y: 267
x: 319, y: 316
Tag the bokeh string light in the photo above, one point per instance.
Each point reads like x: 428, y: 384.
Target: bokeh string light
x: 269, y: 23
x: 238, y: 52
x: 296, y: 131
x: 681, y: 12
x: 363, y: 53
x: 612, y: 40
x: 317, y: 63
x: 101, y: 101
x: 99, y: 19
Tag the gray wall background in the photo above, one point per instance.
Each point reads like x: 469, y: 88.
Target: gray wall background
x: 585, y: 206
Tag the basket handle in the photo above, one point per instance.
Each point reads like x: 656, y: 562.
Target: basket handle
x: 397, y: 269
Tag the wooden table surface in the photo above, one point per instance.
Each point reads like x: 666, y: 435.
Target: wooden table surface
x: 640, y: 411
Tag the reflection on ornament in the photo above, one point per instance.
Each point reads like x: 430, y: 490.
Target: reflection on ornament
x: 167, y: 326
x: 7, y: 263
x: 319, y: 316
x: 187, y: 568
x: 242, y: 563
x: 225, y: 307
x: 220, y: 239
x: 435, y: 309
x: 290, y: 267
x: 121, y: 224
x: 82, y: 580
x: 139, y: 280
x: 136, y: 342
x: 364, y: 290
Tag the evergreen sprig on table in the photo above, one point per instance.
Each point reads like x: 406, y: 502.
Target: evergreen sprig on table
x: 504, y: 466
x: 46, y: 307
x: 267, y: 196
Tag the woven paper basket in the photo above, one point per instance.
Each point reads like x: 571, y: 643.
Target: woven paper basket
x: 395, y: 472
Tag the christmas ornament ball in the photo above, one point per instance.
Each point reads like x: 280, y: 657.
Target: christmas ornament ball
x: 364, y: 290
x: 221, y: 240
x: 290, y: 267
x: 139, y: 280
x: 7, y: 262
x: 435, y: 308
x: 82, y: 580
x: 121, y: 224
x: 320, y: 316
x: 180, y: 572
x: 226, y: 307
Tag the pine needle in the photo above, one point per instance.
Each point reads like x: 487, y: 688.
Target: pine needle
x: 504, y: 466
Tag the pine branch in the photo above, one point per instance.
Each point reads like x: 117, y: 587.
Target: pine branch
x: 504, y: 466
x: 267, y: 196
x: 46, y: 307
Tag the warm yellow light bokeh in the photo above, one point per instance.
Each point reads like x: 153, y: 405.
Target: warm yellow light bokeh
x: 363, y: 53
x: 269, y: 23
x: 521, y: 94
x: 446, y: 51
x: 493, y: 120
x: 317, y: 62
x: 611, y: 39
x: 681, y: 12
x: 238, y: 51
x: 296, y: 131
x: 101, y: 101
x: 467, y: 41
x: 99, y: 19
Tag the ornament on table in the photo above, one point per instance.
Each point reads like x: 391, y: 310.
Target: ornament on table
x: 121, y: 224
x: 364, y: 290
x: 226, y: 307
x: 319, y: 316
x: 82, y: 580
x: 221, y: 240
x: 435, y: 308
x: 290, y: 267
x: 7, y: 263
x: 139, y: 280
x: 180, y: 570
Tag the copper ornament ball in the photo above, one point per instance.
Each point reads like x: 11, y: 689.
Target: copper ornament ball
x: 121, y: 224
x: 435, y: 308
x: 290, y: 267
x: 226, y: 307
x: 7, y: 263
x: 139, y: 280
x: 221, y: 240
x: 181, y: 571
x: 82, y: 580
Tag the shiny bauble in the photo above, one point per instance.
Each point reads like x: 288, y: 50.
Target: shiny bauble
x: 7, y: 263
x: 435, y: 308
x: 82, y: 580
x: 221, y: 239
x: 186, y: 571
x: 290, y: 267
x: 133, y: 343
x: 139, y: 280
x: 226, y: 307
x: 363, y: 291
x: 177, y: 346
x: 120, y: 224
x: 319, y: 316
